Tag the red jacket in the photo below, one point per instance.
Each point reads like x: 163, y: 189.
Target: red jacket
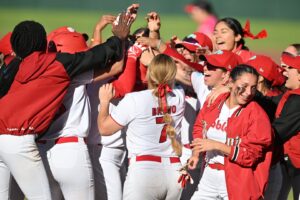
x: 292, y: 145
x: 39, y: 75
x: 250, y: 137
x: 41, y: 82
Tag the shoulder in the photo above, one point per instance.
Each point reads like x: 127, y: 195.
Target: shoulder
x: 139, y: 95
x: 254, y: 109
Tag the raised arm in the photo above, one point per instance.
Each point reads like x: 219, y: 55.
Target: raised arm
x: 101, y: 56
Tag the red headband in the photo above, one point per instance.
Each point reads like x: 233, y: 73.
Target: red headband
x: 247, y: 33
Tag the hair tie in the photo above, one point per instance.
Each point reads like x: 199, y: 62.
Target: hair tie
x: 247, y: 33
x: 162, y: 90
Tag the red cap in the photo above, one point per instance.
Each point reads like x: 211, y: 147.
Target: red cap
x: 292, y: 61
x: 59, y: 30
x: 68, y: 40
x: 264, y: 65
x: 203, y: 40
x: 5, y: 46
x: 188, y: 45
x: 196, y: 41
x: 222, y: 58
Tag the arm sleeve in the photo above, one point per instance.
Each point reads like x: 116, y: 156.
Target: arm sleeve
x: 126, y: 81
x: 251, y: 148
x: 288, y: 123
x: 99, y: 56
x: 173, y: 53
x: 198, y: 126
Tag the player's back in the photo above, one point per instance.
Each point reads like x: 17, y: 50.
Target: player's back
x: 145, y: 135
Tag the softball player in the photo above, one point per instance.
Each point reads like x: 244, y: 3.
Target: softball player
x: 229, y: 35
x: 35, y: 107
x: 268, y: 77
x: 108, y: 153
x: 236, y: 136
x: 69, y: 131
x: 153, y: 118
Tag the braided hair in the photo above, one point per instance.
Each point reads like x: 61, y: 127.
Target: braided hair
x: 161, y: 75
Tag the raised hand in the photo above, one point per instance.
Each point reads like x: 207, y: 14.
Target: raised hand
x: 122, y: 26
x: 153, y: 20
x: 132, y: 9
x: 104, y: 21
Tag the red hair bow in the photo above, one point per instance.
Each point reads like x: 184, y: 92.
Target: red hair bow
x: 162, y: 90
x: 247, y: 33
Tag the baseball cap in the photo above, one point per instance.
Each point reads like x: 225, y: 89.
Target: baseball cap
x: 196, y: 40
x: 264, y: 65
x: 223, y: 59
x: 66, y: 39
x: 203, y: 40
x: 188, y: 43
x: 290, y: 60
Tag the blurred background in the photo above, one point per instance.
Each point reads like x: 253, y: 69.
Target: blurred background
x: 280, y: 18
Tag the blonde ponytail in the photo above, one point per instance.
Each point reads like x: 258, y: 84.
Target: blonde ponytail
x: 161, y: 75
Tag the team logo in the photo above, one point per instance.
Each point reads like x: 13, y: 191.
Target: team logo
x: 261, y: 69
x: 252, y: 58
x: 71, y: 29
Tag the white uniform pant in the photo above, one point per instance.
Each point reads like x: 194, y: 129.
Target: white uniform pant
x: 150, y: 180
x: 274, y: 183
x: 112, y: 161
x: 71, y: 168
x: 212, y: 185
x: 19, y: 156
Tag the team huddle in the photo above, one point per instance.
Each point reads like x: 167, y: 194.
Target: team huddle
x: 135, y: 117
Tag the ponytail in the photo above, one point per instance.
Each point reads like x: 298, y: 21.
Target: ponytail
x: 161, y: 77
x: 161, y: 92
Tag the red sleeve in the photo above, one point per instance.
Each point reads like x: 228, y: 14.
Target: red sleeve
x: 174, y: 54
x: 198, y: 126
x: 258, y: 139
x: 126, y: 81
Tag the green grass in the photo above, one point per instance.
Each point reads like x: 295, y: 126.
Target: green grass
x: 281, y: 33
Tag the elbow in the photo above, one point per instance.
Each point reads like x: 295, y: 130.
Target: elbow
x: 103, y: 130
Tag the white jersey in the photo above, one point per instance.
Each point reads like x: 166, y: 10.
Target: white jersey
x: 73, y: 118
x: 141, y: 113
x: 114, y: 141
x: 199, y: 87
x: 217, y: 132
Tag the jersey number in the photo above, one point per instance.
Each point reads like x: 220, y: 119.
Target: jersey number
x: 163, y: 135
